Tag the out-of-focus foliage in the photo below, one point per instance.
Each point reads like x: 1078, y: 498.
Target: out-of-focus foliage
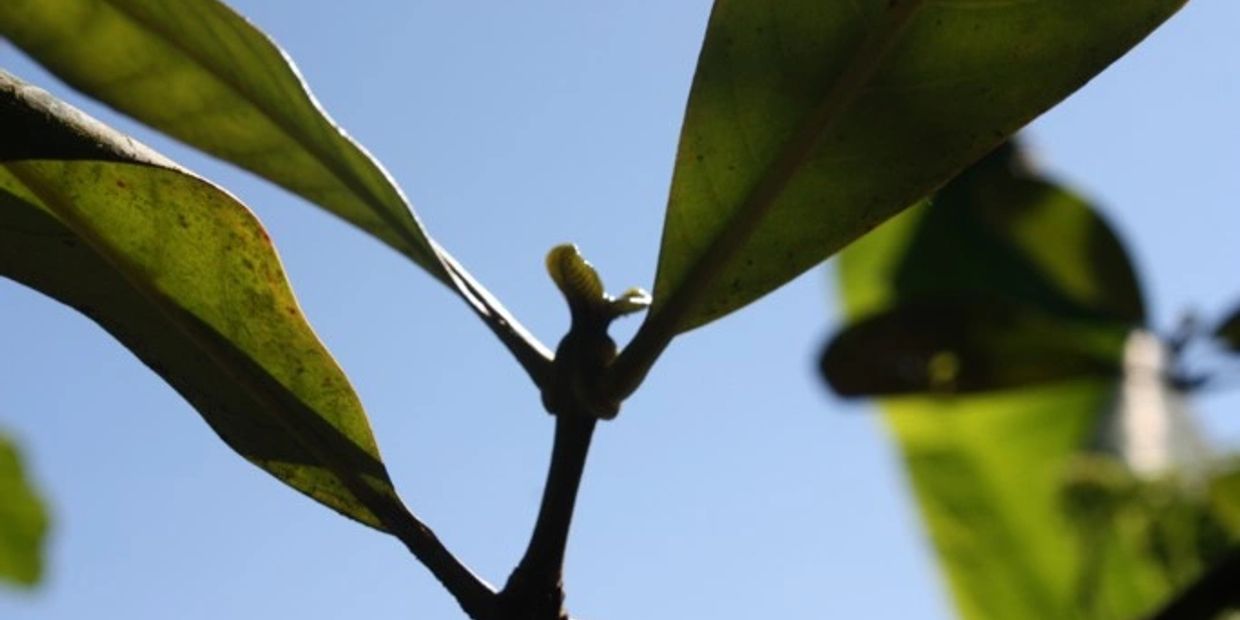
x: 23, y: 520
x: 1229, y: 331
x: 1006, y: 280
x: 963, y: 346
x: 996, y: 323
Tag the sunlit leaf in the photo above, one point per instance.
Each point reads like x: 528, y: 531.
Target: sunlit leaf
x: 184, y: 276
x: 811, y: 122
x: 198, y: 71
x: 23, y: 520
x: 989, y: 473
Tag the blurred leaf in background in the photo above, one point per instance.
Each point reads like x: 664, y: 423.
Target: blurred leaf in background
x: 1057, y: 469
x: 23, y: 520
x: 1229, y: 331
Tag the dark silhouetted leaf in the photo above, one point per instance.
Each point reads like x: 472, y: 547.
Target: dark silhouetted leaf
x: 184, y: 276
x: 1229, y: 331
x: 23, y: 520
x: 960, y: 345
x: 811, y: 122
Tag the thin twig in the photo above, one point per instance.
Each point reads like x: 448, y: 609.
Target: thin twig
x: 531, y: 353
x: 475, y: 596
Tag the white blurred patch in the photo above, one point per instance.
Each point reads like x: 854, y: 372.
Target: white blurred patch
x: 1149, y: 425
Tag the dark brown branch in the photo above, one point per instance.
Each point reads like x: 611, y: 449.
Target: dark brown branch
x: 475, y: 596
x: 535, y: 589
x: 1208, y: 597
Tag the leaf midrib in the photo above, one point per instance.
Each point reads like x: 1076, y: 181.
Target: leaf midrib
x: 661, y: 326
x: 384, y: 504
x: 161, y: 304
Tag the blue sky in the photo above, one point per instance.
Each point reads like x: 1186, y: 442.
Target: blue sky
x: 731, y: 487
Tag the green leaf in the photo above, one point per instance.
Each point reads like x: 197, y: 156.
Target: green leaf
x: 1006, y: 280
x: 811, y: 122
x: 23, y: 520
x: 1224, y: 494
x: 963, y: 346
x: 1033, y: 294
x: 200, y: 72
x: 183, y: 275
x: 999, y: 229
x: 990, y: 473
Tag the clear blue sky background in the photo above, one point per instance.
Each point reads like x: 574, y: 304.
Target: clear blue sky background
x: 732, y: 487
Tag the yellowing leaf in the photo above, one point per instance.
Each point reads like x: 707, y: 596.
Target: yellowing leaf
x: 183, y: 275
x: 200, y: 72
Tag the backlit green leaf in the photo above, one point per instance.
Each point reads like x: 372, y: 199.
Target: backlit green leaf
x: 183, y: 275
x: 991, y: 474
x: 23, y: 520
x: 200, y: 72
x: 810, y: 122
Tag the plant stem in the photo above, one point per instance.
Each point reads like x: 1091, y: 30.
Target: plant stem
x: 535, y: 590
x: 531, y: 353
x: 1211, y: 594
x: 474, y: 595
